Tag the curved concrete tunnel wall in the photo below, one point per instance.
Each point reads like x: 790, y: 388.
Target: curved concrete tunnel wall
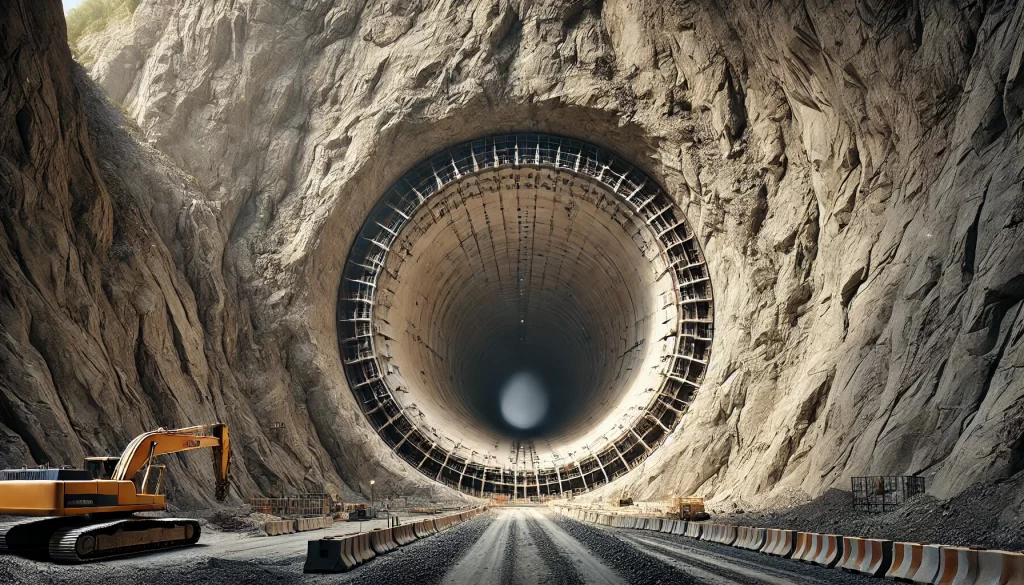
x: 533, y: 248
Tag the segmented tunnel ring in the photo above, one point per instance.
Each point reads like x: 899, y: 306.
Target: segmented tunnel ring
x: 561, y: 174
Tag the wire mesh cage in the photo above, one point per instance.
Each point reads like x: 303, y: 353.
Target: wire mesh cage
x: 299, y: 505
x: 881, y: 493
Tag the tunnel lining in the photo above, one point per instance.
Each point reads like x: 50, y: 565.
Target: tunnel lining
x: 674, y: 250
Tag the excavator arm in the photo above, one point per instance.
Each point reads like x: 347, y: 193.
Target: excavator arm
x: 146, y: 446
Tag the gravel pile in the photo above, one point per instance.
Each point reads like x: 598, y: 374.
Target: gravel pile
x: 560, y: 568
x: 988, y: 516
x: 636, y: 567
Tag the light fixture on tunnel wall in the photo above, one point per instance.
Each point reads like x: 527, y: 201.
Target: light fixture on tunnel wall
x: 474, y: 241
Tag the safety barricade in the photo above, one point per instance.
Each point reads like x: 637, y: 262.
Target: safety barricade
x: 361, y: 548
x: 330, y: 555
x: 866, y: 555
x: 750, y: 538
x: 404, y: 534
x: 907, y: 562
x: 278, y: 527
x: 720, y: 533
x: 780, y: 543
x: 957, y: 566
x: 829, y: 550
x: 378, y: 543
x: 996, y: 567
x: 911, y: 562
x: 318, y: 523
x: 804, y: 544
x: 421, y: 530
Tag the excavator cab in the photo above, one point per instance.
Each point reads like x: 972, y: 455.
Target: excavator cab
x: 148, y: 480
x: 101, y: 467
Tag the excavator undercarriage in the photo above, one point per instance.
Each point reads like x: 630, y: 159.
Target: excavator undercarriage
x: 82, y: 539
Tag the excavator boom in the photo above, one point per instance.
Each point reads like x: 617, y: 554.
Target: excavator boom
x: 146, y: 446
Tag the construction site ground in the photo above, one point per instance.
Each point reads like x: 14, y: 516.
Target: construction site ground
x: 506, y: 546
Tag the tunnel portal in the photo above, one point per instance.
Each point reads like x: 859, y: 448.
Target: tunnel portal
x: 525, y: 314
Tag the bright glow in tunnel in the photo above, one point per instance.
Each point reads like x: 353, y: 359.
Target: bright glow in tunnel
x: 525, y: 313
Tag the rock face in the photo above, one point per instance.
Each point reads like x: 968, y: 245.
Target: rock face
x: 854, y: 171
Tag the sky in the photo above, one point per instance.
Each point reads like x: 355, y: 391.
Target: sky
x: 69, y: 4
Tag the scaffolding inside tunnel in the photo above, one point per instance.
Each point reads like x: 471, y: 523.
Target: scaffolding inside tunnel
x: 637, y: 433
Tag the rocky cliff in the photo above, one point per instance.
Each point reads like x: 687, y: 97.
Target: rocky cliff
x: 854, y: 171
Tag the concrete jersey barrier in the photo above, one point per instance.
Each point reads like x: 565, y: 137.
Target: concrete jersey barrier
x: 829, y: 550
x: 330, y: 555
x: 340, y: 554
x: 906, y: 561
x: 278, y: 527
x: 866, y: 555
x: 996, y: 567
x: 957, y: 566
x: 780, y: 543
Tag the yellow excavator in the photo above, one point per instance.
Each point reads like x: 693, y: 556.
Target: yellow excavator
x: 88, y: 514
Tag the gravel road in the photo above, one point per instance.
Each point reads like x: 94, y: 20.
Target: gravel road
x: 509, y: 546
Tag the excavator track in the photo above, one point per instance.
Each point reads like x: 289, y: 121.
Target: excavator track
x: 31, y: 538
x: 127, y: 536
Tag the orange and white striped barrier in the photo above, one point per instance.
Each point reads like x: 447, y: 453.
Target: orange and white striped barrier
x: 814, y: 544
x: 866, y: 555
x: 908, y: 563
x: 957, y: 566
x: 780, y: 543
x: 996, y: 567
x: 804, y: 546
x: 720, y: 533
x: 829, y: 550
x: 750, y: 538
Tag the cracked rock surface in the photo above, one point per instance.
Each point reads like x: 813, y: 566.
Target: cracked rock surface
x: 854, y: 171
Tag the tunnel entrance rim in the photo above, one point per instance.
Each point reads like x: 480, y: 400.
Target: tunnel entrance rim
x: 678, y: 252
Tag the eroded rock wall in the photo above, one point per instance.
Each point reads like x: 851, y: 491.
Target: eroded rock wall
x: 854, y: 171
x: 115, y: 313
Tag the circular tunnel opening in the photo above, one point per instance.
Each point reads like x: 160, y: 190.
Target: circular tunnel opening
x: 525, y: 314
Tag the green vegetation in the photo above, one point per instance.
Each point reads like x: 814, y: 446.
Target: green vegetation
x: 94, y: 15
